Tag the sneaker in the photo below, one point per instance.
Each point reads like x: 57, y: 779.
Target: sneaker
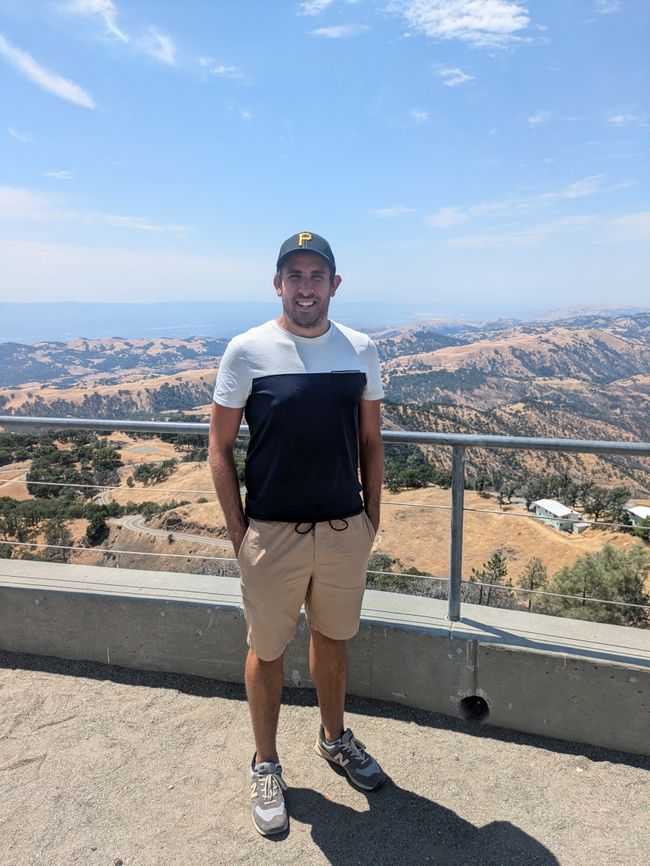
x: 349, y: 753
x: 267, y: 798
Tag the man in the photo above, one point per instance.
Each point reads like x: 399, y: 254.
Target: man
x: 310, y: 389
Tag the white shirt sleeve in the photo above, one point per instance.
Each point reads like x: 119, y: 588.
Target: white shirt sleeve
x: 234, y: 380
x: 374, y: 389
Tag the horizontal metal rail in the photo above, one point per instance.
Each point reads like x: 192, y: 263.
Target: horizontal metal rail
x: 457, y: 441
x: 16, y: 423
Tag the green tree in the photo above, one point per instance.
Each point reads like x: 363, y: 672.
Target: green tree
x: 534, y: 576
x: 58, y: 534
x: 611, y: 575
x: 596, y: 501
x: 154, y: 473
x: 481, y: 481
x: 616, y: 502
x: 493, y: 573
x: 97, y: 530
x: 379, y: 562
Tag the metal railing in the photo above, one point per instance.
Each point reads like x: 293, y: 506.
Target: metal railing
x: 457, y: 442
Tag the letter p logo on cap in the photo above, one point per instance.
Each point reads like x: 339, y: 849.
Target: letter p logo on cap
x: 303, y: 237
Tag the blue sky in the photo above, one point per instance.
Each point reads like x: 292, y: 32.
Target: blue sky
x: 454, y: 152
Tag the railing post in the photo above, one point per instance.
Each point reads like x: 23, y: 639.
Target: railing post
x: 456, y: 545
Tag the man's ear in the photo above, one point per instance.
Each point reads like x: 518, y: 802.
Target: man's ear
x: 336, y: 282
x: 277, y: 282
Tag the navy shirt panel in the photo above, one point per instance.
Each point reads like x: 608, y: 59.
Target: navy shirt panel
x: 302, y: 461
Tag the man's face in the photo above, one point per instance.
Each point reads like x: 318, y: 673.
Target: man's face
x: 305, y: 287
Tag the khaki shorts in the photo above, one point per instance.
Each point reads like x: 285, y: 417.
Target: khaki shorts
x: 323, y: 565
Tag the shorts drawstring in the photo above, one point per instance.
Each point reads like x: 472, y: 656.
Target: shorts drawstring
x: 311, y: 526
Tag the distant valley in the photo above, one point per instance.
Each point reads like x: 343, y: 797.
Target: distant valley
x: 583, y: 376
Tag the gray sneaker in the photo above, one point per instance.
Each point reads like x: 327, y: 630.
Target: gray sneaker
x: 267, y: 798
x: 349, y: 753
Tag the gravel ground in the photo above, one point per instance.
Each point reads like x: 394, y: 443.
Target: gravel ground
x: 102, y: 766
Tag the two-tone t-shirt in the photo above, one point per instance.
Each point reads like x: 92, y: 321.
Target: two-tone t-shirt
x: 301, y: 397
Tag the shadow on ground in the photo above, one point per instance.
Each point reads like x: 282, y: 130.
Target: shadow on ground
x: 402, y: 827
x: 306, y: 697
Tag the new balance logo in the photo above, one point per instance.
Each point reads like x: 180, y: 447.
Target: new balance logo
x: 339, y: 759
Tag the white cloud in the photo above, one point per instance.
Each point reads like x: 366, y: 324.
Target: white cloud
x: 159, y: 46
x: 480, y: 22
x: 23, y: 204
x: 531, y: 236
x: 519, y: 206
x: 418, y: 116
x: 141, y: 225
x: 605, y: 7
x: 539, y: 117
x: 23, y: 137
x: 49, y: 81
x: 620, y: 229
x: 153, y: 43
x: 314, y: 7
x: 630, y: 227
x: 246, y: 114
x: 104, y: 8
x: 446, y: 217
x: 340, y: 31
x: 222, y: 70
x: 34, y: 271
x: 20, y: 205
x: 388, y: 212
x: 578, y: 189
x: 627, y: 117
x: 58, y: 175
x: 452, y: 76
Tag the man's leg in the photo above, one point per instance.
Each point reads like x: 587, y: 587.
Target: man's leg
x: 328, y: 662
x: 333, y: 608
x: 264, y: 682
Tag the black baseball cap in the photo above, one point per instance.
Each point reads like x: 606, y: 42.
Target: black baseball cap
x: 307, y: 242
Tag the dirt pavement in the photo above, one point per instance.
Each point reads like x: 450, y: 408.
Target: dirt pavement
x: 102, y: 766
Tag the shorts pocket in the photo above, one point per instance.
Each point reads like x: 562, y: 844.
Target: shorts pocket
x: 371, y: 528
x: 243, y: 542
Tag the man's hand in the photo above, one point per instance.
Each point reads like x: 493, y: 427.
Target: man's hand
x: 237, y: 538
x: 373, y: 517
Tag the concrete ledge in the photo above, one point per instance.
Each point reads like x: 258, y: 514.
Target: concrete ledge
x: 573, y: 680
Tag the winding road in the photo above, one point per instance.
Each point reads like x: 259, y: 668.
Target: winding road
x: 135, y: 522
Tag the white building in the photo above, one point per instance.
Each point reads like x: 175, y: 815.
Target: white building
x: 637, y: 513
x: 558, y: 515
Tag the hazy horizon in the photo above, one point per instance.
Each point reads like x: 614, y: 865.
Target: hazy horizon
x: 33, y: 322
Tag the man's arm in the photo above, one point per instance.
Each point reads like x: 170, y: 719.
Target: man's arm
x: 371, y: 457
x: 224, y: 427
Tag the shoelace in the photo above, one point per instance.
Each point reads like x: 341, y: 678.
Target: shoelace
x: 312, y: 525
x: 272, y: 785
x: 356, y: 747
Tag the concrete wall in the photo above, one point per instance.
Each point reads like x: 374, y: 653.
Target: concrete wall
x: 573, y: 680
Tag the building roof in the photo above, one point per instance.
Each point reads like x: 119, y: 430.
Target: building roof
x: 640, y: 511
x: 556, y: 508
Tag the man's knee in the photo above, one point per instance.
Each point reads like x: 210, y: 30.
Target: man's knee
x: 263, y: 663
x: 322, y: 640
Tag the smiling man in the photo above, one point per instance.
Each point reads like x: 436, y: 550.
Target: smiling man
x: 310, y: 389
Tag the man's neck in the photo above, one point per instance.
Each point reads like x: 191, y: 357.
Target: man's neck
x: 318, y: 331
